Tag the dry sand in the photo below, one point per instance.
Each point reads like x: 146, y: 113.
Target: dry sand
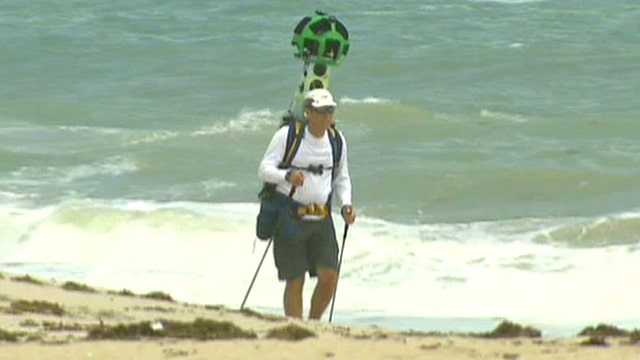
x: 64, y: 337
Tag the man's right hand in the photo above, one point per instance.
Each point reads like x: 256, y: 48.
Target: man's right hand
x: 296, y: 178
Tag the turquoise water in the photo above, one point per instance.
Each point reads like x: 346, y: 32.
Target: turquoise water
x: 490, y: 142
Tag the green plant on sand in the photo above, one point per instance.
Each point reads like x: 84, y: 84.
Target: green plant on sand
x: 199, y: 329
x: 158, y: 295
x: 123, y: 292
x: 290, y: 332
x: 27, y: 279
x: 8, y: 336
x: 507, y: 329
x: 595, y: 340
x: 261, y: 316
x: 36, y: 306
x: 603, y: 330
x: 74, y: 286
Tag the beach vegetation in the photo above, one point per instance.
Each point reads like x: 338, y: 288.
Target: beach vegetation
x: 252, y: 313
x: 604, y: 330
x: 634, y: 337
x: 27, y: 279
x: 199, y: 329
x: 123, y: 292
x: 36, y: 306
x: 158, y: 295
x: 595, y: 340
x: 107, y: 314
x: 290, y: 332
x: 29, y: 323
x: 159, y: 309
x: 418, y: 333
x: 74, y: 286
x: 508, y: 329
x: 9, y: 336
x: 33, y: 337
x: 214, y: 307
x: 370, y: 335
x: 60, y: 326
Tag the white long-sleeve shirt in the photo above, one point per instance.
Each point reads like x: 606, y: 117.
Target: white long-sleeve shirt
x: 312, y: 151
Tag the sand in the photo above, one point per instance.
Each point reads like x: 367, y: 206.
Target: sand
x: 64, y: 336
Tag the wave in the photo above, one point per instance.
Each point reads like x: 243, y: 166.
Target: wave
x: 494, y: 115
x: 111, y: 166
x: 621, y: 229
x: 188, y: 249
x: 366, y: 100
x: 247, y: 121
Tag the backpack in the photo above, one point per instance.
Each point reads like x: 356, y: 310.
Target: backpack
x: 275, y: 214
x: 294, y: 138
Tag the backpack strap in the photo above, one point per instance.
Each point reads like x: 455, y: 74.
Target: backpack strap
x: 294, y: 138
x: 336, y: 149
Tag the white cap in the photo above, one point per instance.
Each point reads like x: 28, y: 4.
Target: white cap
x: 320, y: 98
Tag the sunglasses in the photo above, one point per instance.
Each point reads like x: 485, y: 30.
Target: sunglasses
x: 324, y: 109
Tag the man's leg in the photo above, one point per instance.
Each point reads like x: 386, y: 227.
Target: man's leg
x: 293, y: 298
x: 323, y: 293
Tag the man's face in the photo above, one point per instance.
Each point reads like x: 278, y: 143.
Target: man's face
x: 322, y: 116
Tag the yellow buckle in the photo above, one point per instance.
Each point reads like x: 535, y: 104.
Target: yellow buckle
x: 313, y: 209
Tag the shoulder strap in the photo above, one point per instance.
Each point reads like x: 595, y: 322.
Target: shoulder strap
x: 294, y: 138
x: 336, y: 149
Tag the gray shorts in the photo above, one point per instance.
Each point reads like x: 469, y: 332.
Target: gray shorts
x: 314, y: 245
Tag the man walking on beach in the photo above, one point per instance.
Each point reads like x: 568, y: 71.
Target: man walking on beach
x: 312, y: 181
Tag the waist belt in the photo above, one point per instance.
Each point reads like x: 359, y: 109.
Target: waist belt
x: 313, y: 209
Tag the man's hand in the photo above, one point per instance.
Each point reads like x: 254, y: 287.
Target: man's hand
x: 348, y: 214
x: 295, y: 178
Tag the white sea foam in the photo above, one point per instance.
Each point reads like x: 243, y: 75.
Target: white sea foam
x: 91, y: 129
x: 151, y: 137
x: 111, y: 166
x: 366, y: 100
x: 203, y: 253
x: 247, y: 121
x: 495, y: 115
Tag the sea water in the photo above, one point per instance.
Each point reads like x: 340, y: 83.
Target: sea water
x: 493, y: 147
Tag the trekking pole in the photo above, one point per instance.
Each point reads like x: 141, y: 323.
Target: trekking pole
x: 256, y: 274
x: 344, y: 239
x: 293, y: 190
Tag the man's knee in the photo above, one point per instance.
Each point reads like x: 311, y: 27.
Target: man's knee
x: 295, y: 284
x: 328, y: 276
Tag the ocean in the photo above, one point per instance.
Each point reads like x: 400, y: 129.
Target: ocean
x: 493, y: 147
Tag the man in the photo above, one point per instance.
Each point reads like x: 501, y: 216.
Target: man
x: 311, y: 180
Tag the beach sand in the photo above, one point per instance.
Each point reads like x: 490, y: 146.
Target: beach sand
x: 54, y: 320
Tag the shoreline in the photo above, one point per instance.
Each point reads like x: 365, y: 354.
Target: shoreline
x: 75, y: 321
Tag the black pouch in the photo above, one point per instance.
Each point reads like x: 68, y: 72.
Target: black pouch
x: 268, y: 218
x: 275, y: 216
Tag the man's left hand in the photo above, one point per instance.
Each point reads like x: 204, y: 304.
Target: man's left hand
x: 348, y: 214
